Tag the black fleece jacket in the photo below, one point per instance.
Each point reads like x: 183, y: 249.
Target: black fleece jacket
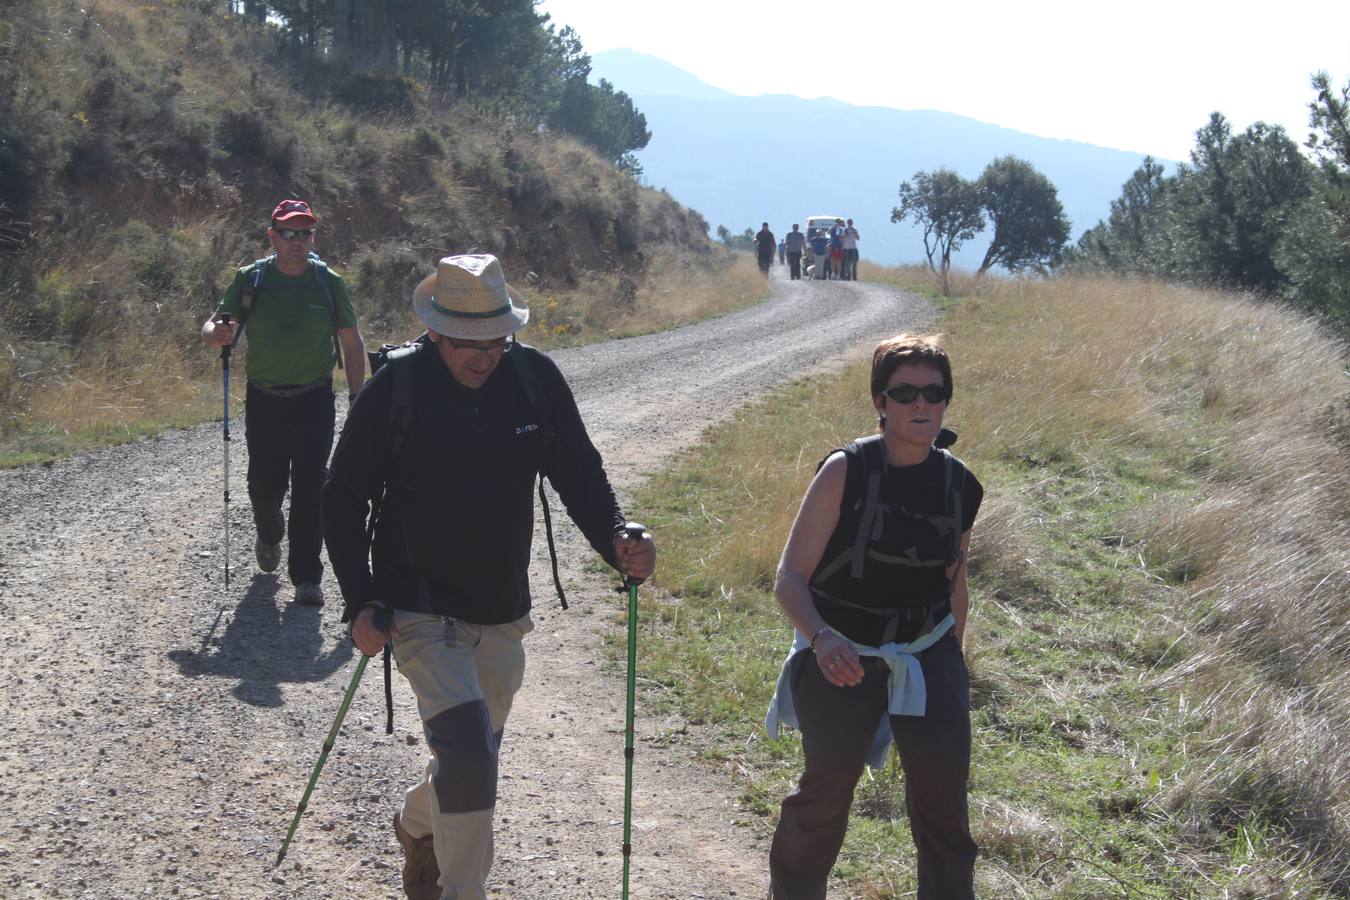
x: 454, y: 532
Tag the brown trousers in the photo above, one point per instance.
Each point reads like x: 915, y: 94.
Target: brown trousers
x: 837, y: 726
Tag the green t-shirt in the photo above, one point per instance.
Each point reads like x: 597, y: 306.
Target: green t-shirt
x: 290, y: 329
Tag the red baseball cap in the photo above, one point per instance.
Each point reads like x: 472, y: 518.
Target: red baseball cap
x: 293, y: 211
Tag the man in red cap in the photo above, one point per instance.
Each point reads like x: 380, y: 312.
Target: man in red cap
x: 299, y: 319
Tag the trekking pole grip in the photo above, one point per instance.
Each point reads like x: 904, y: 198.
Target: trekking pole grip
x: 225, y: 348
x: 635, y: 531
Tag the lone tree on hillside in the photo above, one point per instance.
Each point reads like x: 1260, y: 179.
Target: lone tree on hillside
x: 947, y: 208
x: 1030, y: 229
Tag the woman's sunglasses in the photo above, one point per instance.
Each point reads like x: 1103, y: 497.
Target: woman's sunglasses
x: 906, y: 393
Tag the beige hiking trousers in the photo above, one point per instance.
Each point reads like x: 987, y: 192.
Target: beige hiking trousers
x: 464, y: 677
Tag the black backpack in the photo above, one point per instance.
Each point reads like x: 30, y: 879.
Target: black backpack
x: 862, y: 499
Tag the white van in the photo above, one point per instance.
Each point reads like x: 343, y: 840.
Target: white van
x: 822, y: 223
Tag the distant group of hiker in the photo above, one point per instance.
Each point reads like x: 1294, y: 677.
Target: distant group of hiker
x: 427, y: 510
x: 824, y: 253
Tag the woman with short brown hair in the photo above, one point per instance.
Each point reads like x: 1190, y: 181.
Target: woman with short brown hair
x: 873, y: 579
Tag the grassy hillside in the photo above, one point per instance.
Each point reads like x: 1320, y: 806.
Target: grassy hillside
x: 142, y: 146
x: 1160, y: 574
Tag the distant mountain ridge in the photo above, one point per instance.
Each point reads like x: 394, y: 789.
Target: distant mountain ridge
x: 650, y: 76
x: 743, y: 160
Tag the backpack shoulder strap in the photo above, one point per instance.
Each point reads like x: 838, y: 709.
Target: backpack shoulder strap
x: 252, y: 284
x: 873, y: 455
x: 400, y: 361
x: 322, y: 275
x: 862, y: 491
x: 954, y: 482
x: 519, y: 361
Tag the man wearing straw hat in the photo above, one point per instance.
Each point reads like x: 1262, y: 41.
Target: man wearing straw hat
x: 450, y: 550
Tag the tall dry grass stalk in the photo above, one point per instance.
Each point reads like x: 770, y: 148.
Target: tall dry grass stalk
x: 1254, y: 402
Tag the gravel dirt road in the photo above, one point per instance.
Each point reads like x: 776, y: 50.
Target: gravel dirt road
x: 159, y: 729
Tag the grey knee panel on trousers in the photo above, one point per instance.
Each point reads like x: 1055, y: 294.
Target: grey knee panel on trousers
x: 465, y: 748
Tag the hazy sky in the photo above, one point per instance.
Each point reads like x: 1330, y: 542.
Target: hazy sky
x: 1141, y: 76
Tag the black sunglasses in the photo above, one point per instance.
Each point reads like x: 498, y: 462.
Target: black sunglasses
x: 906, y: 393
x: 503, y: 345
x: 292, y: 234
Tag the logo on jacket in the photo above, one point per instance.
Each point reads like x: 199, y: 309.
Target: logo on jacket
x: 526, y: 429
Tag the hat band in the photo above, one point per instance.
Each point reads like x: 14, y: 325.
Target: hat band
x: 499, y: 311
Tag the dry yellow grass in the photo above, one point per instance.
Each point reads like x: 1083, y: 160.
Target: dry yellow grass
x: 142, y: 383
x: 678, y: 288
x: 919, y: 277
x: 1254, y: 400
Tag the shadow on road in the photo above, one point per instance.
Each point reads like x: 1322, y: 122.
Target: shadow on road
x: 264, y: 645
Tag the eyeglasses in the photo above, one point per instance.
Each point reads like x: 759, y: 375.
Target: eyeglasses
x: 907, y: 393
x: 503, y: 345
x: 293, y: 234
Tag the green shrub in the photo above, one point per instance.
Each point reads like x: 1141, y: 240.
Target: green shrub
x: 376, y: 92
x: 423, y: 143
x: 531, y: 187
x: 250, y: 140
x: 92, y: 159
x: 628, y: 225
x: 381, y: 281
x: 19, y: 171
x: 62, y: 307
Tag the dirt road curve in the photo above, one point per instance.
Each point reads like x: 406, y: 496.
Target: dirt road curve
x: 159, y: 730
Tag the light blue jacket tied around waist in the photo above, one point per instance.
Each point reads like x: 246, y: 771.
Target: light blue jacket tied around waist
x: 909, y: 694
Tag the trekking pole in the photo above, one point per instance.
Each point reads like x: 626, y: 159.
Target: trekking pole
x: 383, y: 619
x: 635, y: 532
x: 225, y: 375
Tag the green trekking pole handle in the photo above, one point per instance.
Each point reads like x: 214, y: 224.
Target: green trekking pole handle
x: 381, y: 622
x: 636, y: 532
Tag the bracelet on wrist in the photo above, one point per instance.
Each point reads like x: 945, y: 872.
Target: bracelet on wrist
x: 818, y: 634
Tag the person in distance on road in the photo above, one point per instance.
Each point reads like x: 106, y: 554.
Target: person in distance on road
x: 782, y: 251
x: 794, y: 244
x: 292, y: 313
x: 837, y: 249
x: 485, y: 416
x: 850, y: 239
x: 873, y: 579
x: 820, y: 249
x: 764, y: 247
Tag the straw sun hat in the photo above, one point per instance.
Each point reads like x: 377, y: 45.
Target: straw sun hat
x: 469, y: 298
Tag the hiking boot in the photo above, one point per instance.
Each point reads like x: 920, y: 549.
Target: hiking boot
x: 421, y: 874
x: 309, y: 594
x: 267, y: 555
